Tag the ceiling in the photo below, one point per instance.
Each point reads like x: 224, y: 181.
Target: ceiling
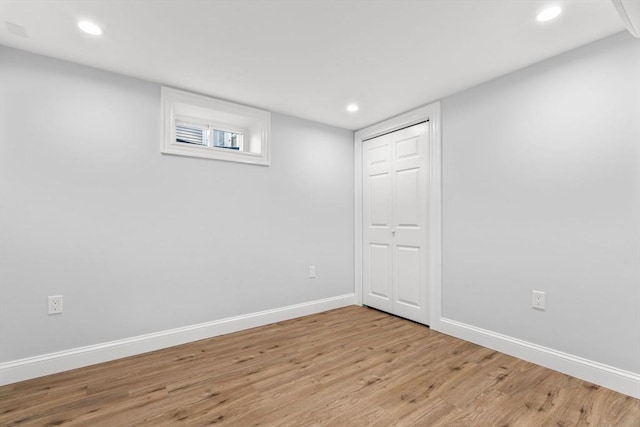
x: 309, y: 58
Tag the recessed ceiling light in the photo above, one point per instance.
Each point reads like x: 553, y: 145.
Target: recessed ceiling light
x: 549, y: 13
x: 352, y: 108
x: 90, y: 28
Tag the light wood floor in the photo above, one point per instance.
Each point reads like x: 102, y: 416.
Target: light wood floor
x: 347, y: 367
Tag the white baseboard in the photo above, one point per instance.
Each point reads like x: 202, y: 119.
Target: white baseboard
x: 607, y: 376
x: 46, y: 364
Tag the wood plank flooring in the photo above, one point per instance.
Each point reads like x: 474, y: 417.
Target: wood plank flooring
x: 348, y: 367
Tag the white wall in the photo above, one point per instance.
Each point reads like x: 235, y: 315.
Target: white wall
x: 139, y: 242
x: 541, y: 173
x: 541, y: 190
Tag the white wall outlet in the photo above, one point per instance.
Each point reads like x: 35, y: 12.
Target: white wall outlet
x: 312, y: 272
x: 538, y: 300
x: 55, y: 304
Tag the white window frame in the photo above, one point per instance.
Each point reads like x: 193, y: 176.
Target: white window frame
x: 252, y: 123
x: 212, y: 126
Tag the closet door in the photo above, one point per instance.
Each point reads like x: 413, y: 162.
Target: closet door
x: 395, y: 200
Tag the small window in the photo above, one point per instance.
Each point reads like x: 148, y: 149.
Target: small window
x: 203, y: 133
x: 200, y: 126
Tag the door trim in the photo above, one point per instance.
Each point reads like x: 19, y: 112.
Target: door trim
x: 429, y: 113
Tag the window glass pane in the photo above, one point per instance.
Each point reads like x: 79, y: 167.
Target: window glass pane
x: 192, y: 133
x: 230, y: 140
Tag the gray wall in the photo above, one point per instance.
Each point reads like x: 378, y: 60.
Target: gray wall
x: 541, y: 173
x: 139, y: 242
x: 541, y: 190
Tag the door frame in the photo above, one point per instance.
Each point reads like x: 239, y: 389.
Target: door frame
x: 429, y: 113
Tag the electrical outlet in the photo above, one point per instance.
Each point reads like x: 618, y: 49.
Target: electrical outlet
x: 312, y: 272
x: 55, y: 304
x: 538, y: 300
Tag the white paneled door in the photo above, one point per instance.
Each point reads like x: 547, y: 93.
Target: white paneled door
x: 395, y: 202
